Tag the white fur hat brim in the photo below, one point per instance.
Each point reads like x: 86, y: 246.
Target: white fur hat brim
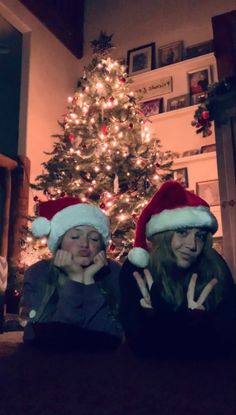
x: 173, y: 219
x: 69, y: 217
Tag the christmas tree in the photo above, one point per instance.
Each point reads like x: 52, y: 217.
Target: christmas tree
x: 105, y: 154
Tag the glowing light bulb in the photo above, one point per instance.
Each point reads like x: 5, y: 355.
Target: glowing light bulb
x: 70, y: 99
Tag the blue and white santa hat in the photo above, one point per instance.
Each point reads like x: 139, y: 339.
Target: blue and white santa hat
x: 58, y: 216
x: 172, y: 207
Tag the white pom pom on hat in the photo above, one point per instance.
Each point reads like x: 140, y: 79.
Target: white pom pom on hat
x: 172, y: 207
x: 41, y: 227
x: 58, y: 216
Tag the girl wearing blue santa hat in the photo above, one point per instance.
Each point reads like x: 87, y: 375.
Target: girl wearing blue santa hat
x: 71, y: 300
x: 177, y: 292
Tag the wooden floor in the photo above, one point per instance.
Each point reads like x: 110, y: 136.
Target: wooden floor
x: 35, y: 382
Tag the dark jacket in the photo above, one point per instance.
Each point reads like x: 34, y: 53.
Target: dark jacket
x: 91, y: 307
x: 165, y: 331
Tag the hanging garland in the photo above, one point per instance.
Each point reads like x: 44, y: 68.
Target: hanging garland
x: 203, y: 115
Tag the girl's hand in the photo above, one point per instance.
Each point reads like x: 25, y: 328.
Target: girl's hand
x: 64, y: 259
x: 3, y: 274
x: 144, y: 285
x: 198, y: 304
x: 99, y: 261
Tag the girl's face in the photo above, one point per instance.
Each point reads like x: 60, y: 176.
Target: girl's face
x: 187, y: 245
x: 84, y: 242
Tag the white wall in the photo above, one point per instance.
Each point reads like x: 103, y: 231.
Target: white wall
x: 49, y: 75
x: 138, y: 22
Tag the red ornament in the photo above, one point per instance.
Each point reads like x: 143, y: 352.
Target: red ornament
x: 122, y: 80
x: 130, y: 126
x: 63, y: 194
x: 104, y: 130
x: 112, y: 99
x: 71, y: 138
x: 102, y: 205
x: 205, y: 115
x: 36, y: 198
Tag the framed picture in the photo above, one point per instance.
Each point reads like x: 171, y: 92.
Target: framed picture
x: 199, y: 80
x: 208, y: 148
x: 171, y: 53
x: 199, y: 49
x: 218, y: 245
x: 181, y: 176
x: 153, y: 107
x: 209, y: 191
x: 141, y: 59
x: 192, y: 152
x: 178, y: 102
x: 198, y: 98
x: 153, y: 89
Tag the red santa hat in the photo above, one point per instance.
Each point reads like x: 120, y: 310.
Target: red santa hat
x: 58, y: 216
x: 172, y: 207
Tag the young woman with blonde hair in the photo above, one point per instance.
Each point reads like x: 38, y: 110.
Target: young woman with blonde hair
x: 177, y: 295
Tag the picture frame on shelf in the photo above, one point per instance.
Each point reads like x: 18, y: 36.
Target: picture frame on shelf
x: 198, y: 80
x: 141, y: 59
x: 181, y: 176
x: 192, y: 152
x: 178, y: 102
x: 217, y: 244
x: 196, y: 99
x: 199, y: 49
x: 208, y: 148
x: 171, y: 53
x: 154, y: 89
x: 152, y: 107
x: 209, y: 191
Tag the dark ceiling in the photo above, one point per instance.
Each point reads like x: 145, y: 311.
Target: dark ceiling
x: 64, y: 18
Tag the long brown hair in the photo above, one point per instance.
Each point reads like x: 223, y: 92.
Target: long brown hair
x: 173, y: 282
